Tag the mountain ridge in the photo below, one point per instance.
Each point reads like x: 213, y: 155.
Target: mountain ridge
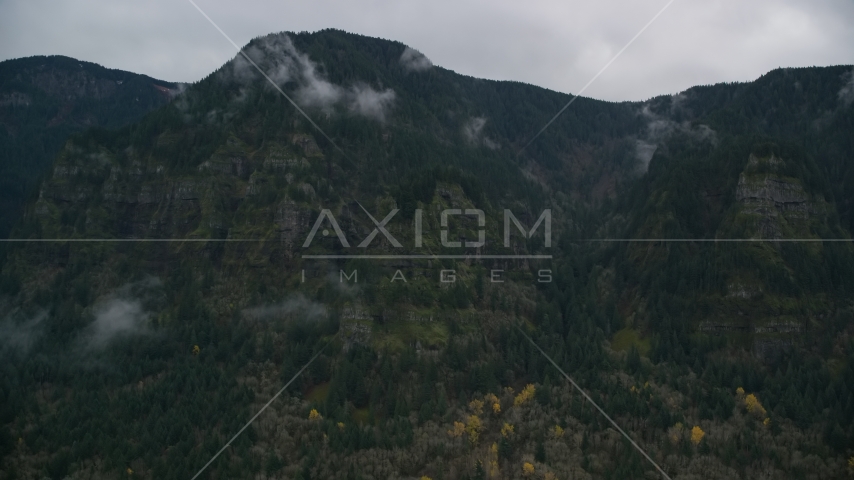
x: 44, y: 99
x: 416, y: 374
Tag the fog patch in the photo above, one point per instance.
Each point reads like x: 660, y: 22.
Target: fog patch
x: 644, y: 152
x: 473, y: 132
x: 414, y: 61
x: 846, y: 93
x: 296, y: 306
x: 473, y: 127
x: 368, y: 102
x: 660, y: 127
x: 184, y: 103
x: 277, y: 56
x: 116, y: 318
x: 122, y: 314
x: 179, y: 90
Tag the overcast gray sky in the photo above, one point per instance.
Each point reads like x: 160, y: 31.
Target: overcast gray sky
x: 558, y: 44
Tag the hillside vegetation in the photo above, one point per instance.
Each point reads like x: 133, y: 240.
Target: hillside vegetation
x: 720, y: 358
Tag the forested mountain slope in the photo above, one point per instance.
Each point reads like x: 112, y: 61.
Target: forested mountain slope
x: 229, y: 227
x: 43, y: 100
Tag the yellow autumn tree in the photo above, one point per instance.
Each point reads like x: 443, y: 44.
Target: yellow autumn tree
x: 697, y: 435
x: 476, y: 406
x: 558, y: 432
x: 506, y: 430
x: 196, y: 350
x: 739, y: 391
x: 340, y: 425
x: 493, y: 461
x: 527, y: 469
x: 458, y: 430
x: 526, y: 394
x: 425, y: 477
x: 754, y: 406
x: 314, y: 415
x: 473, y: 427
x: 494, y: 401
x: 130, y: 471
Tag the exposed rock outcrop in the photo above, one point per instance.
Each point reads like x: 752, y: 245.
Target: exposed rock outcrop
x: 777, y: 203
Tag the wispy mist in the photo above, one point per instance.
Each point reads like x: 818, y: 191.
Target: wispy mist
x: 277, y: 56
x: 179, y: 89
x: 415, y: 61
x: 119, y: 315
x: 116, y: 318
x: 846, y: 93
x: 370, y: 103
x: 473, y: 131
x: 644, y: 152
x: 660, y: 127
x: 296, y: 306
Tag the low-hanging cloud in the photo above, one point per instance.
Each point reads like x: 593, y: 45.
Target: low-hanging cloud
x: 277, y: 56
x: 660, y: 127
x: 122, y: 314
x: 414, y: 61
x: 473, y: 131
x: 846, y: 93
x: 368, y: 102
x: 296, y: 306
x: 644, y: 152
x: 116, y: 318
x: 473, y: 127
x: 179, y: 89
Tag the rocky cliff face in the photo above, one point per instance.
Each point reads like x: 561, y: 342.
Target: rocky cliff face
x: 769, y: 205
x: 127, y: 196
x: 774, y: 204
